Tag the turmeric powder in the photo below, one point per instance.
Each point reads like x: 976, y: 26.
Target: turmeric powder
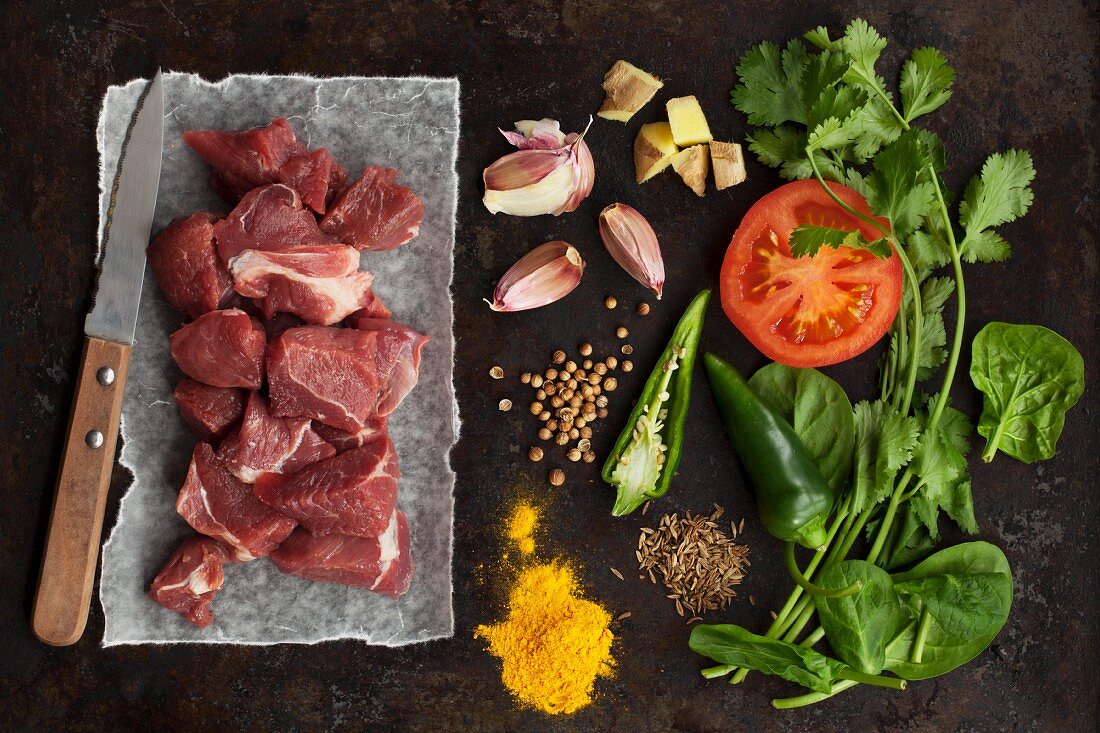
x: 554, y: 643
x: 521, y: 527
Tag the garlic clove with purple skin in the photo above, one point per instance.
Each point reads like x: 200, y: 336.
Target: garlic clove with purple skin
x: 633, y: 244
x: 551, y: 173
x: 547, y: 273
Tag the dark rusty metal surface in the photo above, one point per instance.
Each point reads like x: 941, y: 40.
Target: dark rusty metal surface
x: 1026, y: 78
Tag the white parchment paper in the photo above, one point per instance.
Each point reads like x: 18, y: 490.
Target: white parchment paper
x: 410, y: 124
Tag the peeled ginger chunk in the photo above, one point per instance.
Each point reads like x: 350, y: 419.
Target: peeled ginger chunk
x: 693, y: 165
x: 628, y: 89
x: 653, y: 150
x: 728, y: 162
x: 689, y: 126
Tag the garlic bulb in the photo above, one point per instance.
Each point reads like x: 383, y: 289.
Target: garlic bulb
x: 551, y: 173
x: 632, y: 242
x: 547, y: 273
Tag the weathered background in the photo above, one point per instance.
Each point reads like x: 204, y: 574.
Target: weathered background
x: 1026, y: 78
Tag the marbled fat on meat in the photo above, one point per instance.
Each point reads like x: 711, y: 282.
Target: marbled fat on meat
x: 268, y: 444
x: 186, y: 266
x: 382, y: 564
x: 406, y: 370
x: 217, y: 504
x: 375, y: 213
x: 210, y: 412
x: 342, y: 440
x: 191, y: 578
x: 320, y: 285
x: 341, y: 377
x: 268, y: 218
x: 223, y: 349
x: 353, y: 493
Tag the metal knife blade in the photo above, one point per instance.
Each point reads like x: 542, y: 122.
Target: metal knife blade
x: 129, y: 221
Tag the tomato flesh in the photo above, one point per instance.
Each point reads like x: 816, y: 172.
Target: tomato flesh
x: 807, y: 311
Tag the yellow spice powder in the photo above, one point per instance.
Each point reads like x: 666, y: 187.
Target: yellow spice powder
x: 554, y: 644
x: 521, y: 527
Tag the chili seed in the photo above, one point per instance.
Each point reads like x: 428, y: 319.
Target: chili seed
x: 557, y: 477
x: 505, y: 405
x: 535, y: 454
x: 496, y: 373
x: 573, y: 455
x: 559, y: 356
x: 628, y: 366
x: 621, y: 332
x: 611, y: 302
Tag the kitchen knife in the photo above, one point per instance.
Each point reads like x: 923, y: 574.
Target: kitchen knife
x: 76, y: 523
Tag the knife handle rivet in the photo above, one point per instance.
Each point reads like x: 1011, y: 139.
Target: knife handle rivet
x: 94, y: 439
x: 105, y: 376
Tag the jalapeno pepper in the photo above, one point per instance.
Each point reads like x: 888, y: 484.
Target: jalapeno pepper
x: 647, y: 453
x: 793, y: 498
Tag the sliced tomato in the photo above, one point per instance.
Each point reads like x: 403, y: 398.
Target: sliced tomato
x: 808, y: 311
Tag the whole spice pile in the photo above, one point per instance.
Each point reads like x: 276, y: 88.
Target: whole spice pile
x: 695, y: 559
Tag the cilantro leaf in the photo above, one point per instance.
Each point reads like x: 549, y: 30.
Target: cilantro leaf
x: 770, y: 91
x: 926, y: 82
x: 864, y: 45
x: 836, y: 117
x: 1000, y: 194
x: 884, y: 443
x: 899, y: 187
x: 784, y: 147
x: 879, y: 127
x: 807, y: 239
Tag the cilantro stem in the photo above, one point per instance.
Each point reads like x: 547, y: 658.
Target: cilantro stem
x: 813, y: 589
x: 910, y: 276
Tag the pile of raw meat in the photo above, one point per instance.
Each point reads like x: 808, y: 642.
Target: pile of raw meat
x: 291, y: 366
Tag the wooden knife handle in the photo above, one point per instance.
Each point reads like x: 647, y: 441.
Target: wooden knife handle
x: 76, y: 523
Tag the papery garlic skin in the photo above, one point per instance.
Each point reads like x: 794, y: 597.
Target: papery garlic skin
x: 632, y: 242
x: 547, y: 273
x: 551, y: 173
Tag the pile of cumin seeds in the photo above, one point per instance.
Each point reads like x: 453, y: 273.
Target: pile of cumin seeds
x: 696, y: 560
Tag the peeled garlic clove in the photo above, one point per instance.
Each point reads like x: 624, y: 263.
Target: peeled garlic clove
x: 549, y: 174
x: 632, y: 242
x: 547, y: 273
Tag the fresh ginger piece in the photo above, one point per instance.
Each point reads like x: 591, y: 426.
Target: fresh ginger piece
x: 628, y: 89
x: 653, y: 150
x: 728, y: 162
x: 689, y: 126
x: 693, y: 165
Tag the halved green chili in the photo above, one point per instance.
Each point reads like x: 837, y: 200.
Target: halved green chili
x: 647, y: 453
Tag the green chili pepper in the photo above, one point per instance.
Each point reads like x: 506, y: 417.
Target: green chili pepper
x: 793, y: 499
x: 645, y: 456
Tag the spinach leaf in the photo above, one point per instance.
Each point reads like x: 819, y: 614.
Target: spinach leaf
x: 943, y: 650
x: 965, y: 606
x: 858, y: 626
x: 818, y: 410
x: 1030, y: 376
x: 730, y: 644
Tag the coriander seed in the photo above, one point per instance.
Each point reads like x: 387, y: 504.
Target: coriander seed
x: 574, y: 433
x: 562, y: 438
x: 594, y: 378
x: 621, y: 332
x: 545, y: 434
x: 573, y: 455
x: 557, y: 401
x: 584, y: 444
x: 536, y: 380
x: 571, y: 366
x: 576, y: 401
x: 525, y: 377
x: 589, y: 456
x: 504, y: 405
x: 586, y: 432
x: 628, y: 349
x: 601, y: 413
x: 540, y: 394
x: 536, y: 407
x: 580, y: 422
x: 600, y: 369
x: 535, y: 454
x: 557, y: 477
x: 551, y: 424
x: 628, y: 366
x: 550, y: 374
x: 611, y: 302
x: 585, y: 349
x: 496, y: 373
x: 544, y: 415
x: 587, y: 364
x: 601, y: 401
x: 612, y: 362
x: 643, y: 309
x: 572, y: 384
x: 580, y: 375
x: 610, y: 384
x: 559, y: 356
